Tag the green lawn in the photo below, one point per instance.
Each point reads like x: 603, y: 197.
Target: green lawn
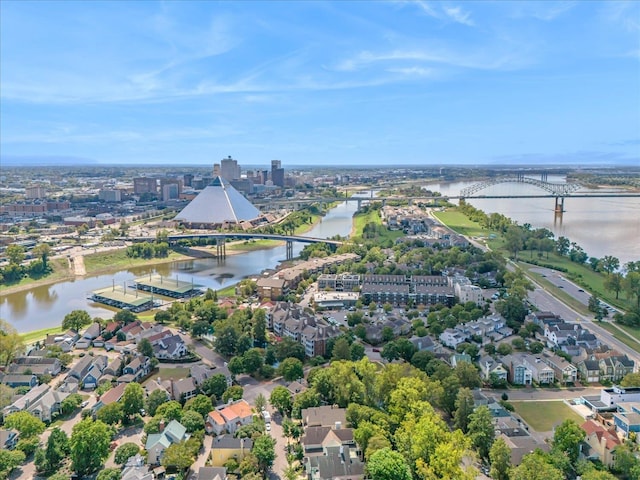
x: 621, y: 336
x: 459, y: 222
x: 32, y: 337
x: 60, y: 271
x: 117, y: 260
x: 251, y: 245
x: 167, y: 373
x: 543, y: 416
x: 373, y: 216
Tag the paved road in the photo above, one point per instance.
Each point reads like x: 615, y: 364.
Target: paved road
x: 545, y: 300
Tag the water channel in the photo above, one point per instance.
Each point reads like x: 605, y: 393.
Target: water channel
x: 45, y: 306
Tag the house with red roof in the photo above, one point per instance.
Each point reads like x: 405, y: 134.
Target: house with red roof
x: 601, y: 442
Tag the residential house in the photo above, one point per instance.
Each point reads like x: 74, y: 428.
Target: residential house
x: 157, y: 443
x: 138, y: 368
x: 47, y: 407
x: 135, y: 469
x: 336, y: 463
x: 540, y: 371
x: 114, y: 368
x: 35, y: 365
x: 226, y: 447
x: 236, y: 414
x: 109, y: 397
x: 212, y: 473
x: 200, y: 373
x: 90, y: 334
x: 518, y: 371
x: 181, y: 390
x: 8, y: 439
x: 14, y: 381
x: 215, y: 423
x: 324, y: 416
x: 271, y: 288
x: 456, y: 358
x: 589, y: 370
x: 627, y: 418
x: 451, y: 338
x: 170, y: 348
x: 565, y: 372
x: 153, y: 385
x: 615, y: 367
x: 27, y: 400
x: 316, y: 439
x: 490, y: 366
x: 601, y: 442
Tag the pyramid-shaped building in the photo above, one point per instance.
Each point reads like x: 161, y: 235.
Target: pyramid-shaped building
x: 218, y: 204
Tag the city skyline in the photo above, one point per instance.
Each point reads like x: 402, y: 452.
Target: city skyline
x: 320, y: 83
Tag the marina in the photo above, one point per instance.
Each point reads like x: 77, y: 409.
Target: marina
x: 118, y: 297
x: 167, y: 287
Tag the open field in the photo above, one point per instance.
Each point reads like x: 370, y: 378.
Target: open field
x: 60, y: 272
x: 459, y: 222
x: 251, y: 245
x: 118, y: 260
x: 543, y: 416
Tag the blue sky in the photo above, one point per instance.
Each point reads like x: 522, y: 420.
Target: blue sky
x: 314, y: 83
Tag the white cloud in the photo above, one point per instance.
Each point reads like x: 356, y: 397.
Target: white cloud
x: 412, y: 71
x: 459, y: 15
x: 445, y: 12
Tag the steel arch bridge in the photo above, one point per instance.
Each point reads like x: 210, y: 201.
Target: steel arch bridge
x: 556, y: 189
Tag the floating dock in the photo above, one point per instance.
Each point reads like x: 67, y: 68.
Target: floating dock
x: 119, y: 297
x: 168, y: 287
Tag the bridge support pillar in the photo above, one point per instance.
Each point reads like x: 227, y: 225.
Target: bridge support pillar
x: 359, y: 204
x: 559, y: 205
x: 289, y: 250
x: 221, y: 247
x: 544, y: 176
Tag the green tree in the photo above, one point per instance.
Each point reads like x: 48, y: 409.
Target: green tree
x: 132, y: 399
x: 291, y: 369
x: 178, y: 456
x: 342, y: 349
x: 125, y: 317
x: 610, y: 264
x: 106, y: 474
x: 9, y: 460
x: 264, y: 451
x: 631, y: 380
x: 632, y: 286
x: 386, y: 464
x: 567, y: 439
x: 226, y: 341
x: 76, y: 320
x: 145, y: 347
x: 200, y: 404
x: 10, y: 343
x: 514, y: 240
x: 89, y: 446
x: 15, y: 254
x: 192, y: 421
x: 154, y: 400
x: 55, y: 452
x: 215, y: 385
x: 234, y: 393
x: 481, y: 430
x: 357, y: 351
x: 468, y: 375
x: 28, y: 425
x: 500, y: 457
x: 162, y: 317
x: 464, y: 408
x: 281, y: 400
x: 111, y: 414
x: 170, y: 411
x: 260, y: 402
x: 614, y: 283
x: 260, y: 327
x: 124, y: 452
x: 43, y: 251
x: 252, y: 360
x: 536, y: 466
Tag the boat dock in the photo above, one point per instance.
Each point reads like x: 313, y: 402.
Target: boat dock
x: 167, y: 287
x: 119, y: 297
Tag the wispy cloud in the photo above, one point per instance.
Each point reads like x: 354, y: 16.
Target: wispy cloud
x: 543, y: 10
x: 624, y: 13
x: 443, y: 11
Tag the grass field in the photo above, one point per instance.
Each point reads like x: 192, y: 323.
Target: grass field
x: 373, y: 216
x: 60, y: 272
x: 167, y: 373
x: 459, y: 222
x: 251, y: 245
x: 118, y: 260
x: 543, y: 416
x: 36, y: 335
x: 621, y: 336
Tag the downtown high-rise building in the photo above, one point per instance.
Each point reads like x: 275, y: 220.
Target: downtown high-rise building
x: 277, y: 173
x: 229, y: 169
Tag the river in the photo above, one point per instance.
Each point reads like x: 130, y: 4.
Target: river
x: 45, y: 306
x: 601, y: 226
